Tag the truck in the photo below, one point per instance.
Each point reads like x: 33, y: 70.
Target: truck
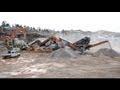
x: 15, y: 52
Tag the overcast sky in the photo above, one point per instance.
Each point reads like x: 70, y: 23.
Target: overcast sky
x: 87, y: 21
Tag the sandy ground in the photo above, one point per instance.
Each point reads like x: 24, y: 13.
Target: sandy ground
x: 40, y: 65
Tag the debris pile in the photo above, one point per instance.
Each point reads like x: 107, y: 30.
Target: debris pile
x: 107, y: 52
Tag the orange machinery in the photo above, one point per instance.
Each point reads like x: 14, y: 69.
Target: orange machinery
x: 8, y: 39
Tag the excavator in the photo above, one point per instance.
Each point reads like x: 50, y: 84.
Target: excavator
x: 13, y: 44
x: 9, y: 40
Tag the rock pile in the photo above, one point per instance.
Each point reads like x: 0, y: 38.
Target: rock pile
x: 64, y: 53
x: 107, y: 52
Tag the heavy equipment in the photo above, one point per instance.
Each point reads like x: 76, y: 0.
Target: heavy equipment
x: 81, y: 45
x: 13, y: 44
x: 14, y: 52
x: 84, y: 44
x: 12, y: 40
x: 42, y: 46
x: 50, y: 44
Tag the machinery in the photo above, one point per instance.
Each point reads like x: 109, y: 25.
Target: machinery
x: 50, y: 44
x: 13, y: 44
x: 83, y: 44
x: 42, y: 46
x: 12, y: 39
x: 14, y: 52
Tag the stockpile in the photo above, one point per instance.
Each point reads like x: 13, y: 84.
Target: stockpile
x: 64, y: 53
x: 107, y: 52
x: 69, y: 53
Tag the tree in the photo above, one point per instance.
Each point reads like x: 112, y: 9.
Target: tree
x: 33, y: 28
x: 17, y: 25
x: 7, y: 25
x: 3, y: 23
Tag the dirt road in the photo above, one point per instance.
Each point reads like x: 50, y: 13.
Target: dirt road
x: 38, y: 65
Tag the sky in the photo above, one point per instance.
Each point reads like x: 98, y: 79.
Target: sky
x: 87, y: 21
